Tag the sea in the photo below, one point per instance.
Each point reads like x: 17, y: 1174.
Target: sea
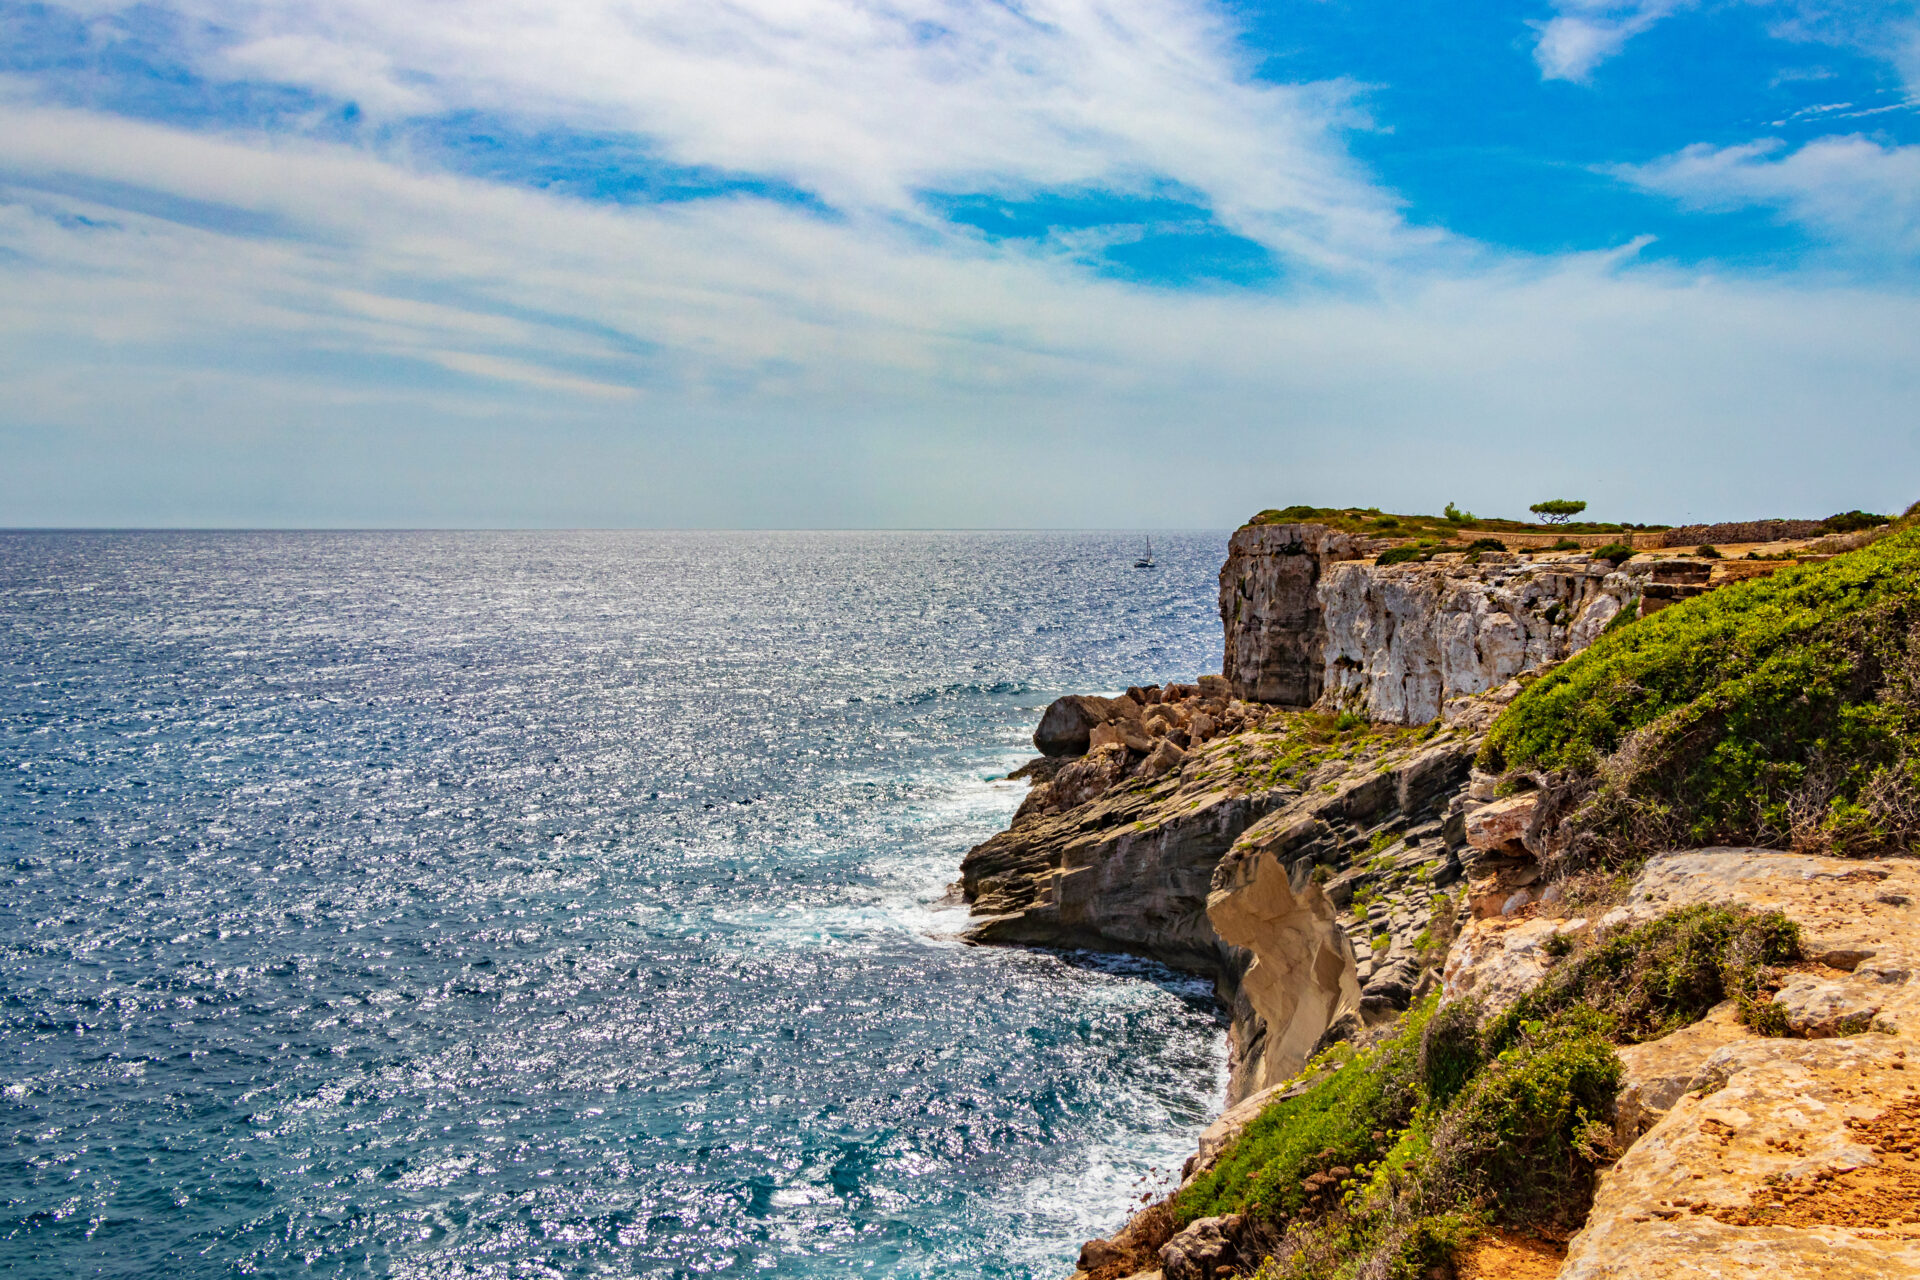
x: 435, y: 904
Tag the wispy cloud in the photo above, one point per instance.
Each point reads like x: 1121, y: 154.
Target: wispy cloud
x: 962, y: 380
x: 863, y: 103
x: 1584, y: 33
x: 1856, y: 193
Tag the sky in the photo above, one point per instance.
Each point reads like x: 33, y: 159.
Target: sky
x: 953, y: 263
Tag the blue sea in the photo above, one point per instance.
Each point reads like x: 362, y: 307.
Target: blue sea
x: 563, y: 904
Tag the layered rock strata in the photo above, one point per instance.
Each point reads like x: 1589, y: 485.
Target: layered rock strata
x: 1295, y: 863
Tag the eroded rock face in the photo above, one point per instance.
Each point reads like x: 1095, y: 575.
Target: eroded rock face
x: 1302, y: 973
x: 1791, y: 1159
x: 1271, y: 609
x: 1499, y: 959
x: 1201, y: 1250
x: 1401, y: 640
x: 1360, y: 944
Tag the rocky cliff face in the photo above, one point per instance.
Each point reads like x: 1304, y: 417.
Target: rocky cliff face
x: 1403, y: 640
x: 1311, y: 619
x: 1296, y: 863
x: 1271, y: 609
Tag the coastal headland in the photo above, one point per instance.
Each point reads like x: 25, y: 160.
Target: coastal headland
x: 1557, y: 883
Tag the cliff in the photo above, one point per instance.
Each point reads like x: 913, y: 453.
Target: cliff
x: 1289, y: 857
x: 1508, y: 1022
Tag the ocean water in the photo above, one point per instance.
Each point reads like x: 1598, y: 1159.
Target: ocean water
x: 532, y: 905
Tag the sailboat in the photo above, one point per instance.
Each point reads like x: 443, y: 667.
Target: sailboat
x: 1146, y: 560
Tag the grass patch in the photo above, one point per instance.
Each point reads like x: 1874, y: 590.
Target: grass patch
x: 1781, y: 710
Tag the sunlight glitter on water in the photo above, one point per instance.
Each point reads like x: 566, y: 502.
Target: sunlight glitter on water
x: 511, y: 905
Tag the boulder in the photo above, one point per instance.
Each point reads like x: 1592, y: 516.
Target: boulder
x: 1817, y: 1008
x: 1088, y: 777
x: 1205, y: 1246
x: 1501, y: 825
x: 1164, y: 758
x: 1498, y: 960
x: 1067, y: 724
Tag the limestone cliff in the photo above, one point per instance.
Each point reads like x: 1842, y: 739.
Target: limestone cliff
x: 1291, y: 859
x: 1271, y: 609
x: 1403, y: 640
x: 1309, y: 618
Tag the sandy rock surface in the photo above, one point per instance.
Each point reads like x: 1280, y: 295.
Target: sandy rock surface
x: 1499, y: 959
x: 1861, y: 920
x: 1791, y: 1157
x: 1800, y: 1163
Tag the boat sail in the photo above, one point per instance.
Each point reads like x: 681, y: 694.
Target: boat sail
x: 1146, y: 560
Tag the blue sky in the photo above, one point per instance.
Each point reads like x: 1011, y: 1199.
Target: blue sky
x: 952, y: 262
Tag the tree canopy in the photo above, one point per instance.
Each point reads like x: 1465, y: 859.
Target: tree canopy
x: 1557, y: 510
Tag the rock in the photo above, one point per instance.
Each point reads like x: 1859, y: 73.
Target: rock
x: 1403, y: 641
x: 1095, y: 1254
x: 1851, y: 909
x: 1817, y: 1008
x: 1206, y: 1245
x: 1659, y: 1071
x: 1502, y: 824
x: 1390, y: 989
x: 1498, y: 960
x: 1088, y: 777
x: 1200, y: 728
x: 1068, y: 723
x: 1790, y: 1159
x: 1161, y: 759
x: 1271, y: 610
x: 1301, y: 977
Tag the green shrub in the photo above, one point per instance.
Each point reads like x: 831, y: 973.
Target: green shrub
x: 1783, y: 709
x: 1451, y: 1050
x: 1565, y: 544
x: 1616, y: 552
x: 1530, y: 1132
x: 1486, y: 544
x: 1400, y: 555
x: 1346, y: 1120
x: 1707, y: 551
x: 1852, y: 522
x: 1659, y: 976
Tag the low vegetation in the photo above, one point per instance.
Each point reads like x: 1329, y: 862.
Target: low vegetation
x: 1291, y: 745
x: 1779, y: 711
x: 1448, y: 526
x: 1390, y: 1160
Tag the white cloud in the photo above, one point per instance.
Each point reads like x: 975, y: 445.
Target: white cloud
x: 743, y: 362
x: 1584, y: 33
x: 862, y: 102
x: 1855, y: 192
x: 362, y: 75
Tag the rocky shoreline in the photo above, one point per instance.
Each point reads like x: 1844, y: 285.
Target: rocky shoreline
x: 1309, y: 832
